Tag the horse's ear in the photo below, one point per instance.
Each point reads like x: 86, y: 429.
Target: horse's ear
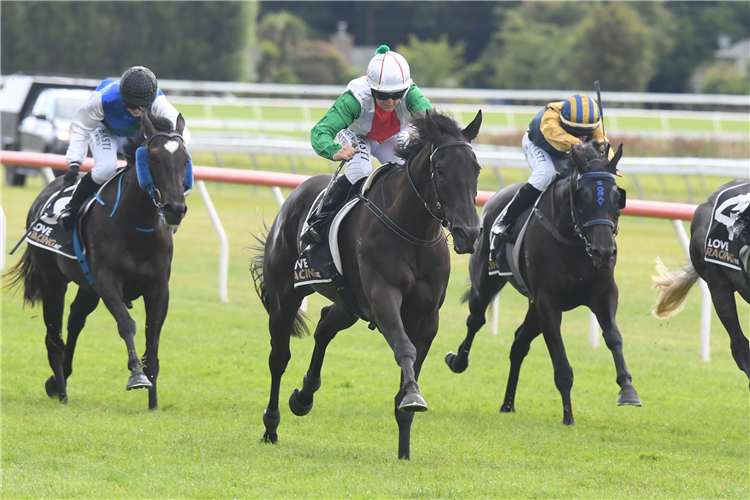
x: 180, y: 124
x: 577, y: 158
x: 433, y: 131
x: 615, y: 159
x: 472, y: 130
x: 148, y: 127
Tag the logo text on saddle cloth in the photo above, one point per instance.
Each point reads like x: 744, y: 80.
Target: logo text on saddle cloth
x: 720, y: 250
x: 303, y: 271
x: 41, y: 233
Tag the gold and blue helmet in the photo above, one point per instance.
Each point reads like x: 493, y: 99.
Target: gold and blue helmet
x: 580, y: 114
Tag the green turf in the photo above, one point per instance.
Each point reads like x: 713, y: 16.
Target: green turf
x: 689, y: 440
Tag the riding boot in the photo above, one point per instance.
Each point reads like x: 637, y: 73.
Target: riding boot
x: 85, y: 188
x: 525, y: 196
x: 332, y: 200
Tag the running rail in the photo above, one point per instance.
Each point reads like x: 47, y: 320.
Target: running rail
x: 676, y: 212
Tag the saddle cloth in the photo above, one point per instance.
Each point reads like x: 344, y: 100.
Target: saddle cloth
x: 723, y: 246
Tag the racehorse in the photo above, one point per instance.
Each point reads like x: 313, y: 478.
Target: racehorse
x: 128, y: 236
x: 394, y: 258
x: 568, y: 254
x: 722, y: 281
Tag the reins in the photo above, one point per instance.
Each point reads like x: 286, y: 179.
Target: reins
x: 444, y: 222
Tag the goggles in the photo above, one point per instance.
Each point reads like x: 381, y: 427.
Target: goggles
x: 131, y: 106
x: 384, y: 96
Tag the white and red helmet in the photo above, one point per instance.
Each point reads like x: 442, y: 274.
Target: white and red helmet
x: 388, y: 71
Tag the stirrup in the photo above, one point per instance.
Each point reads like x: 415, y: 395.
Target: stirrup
x: 310, y: 236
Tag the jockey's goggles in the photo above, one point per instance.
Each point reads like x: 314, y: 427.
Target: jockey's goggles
x: 131, y: 106
x: 384, y: 96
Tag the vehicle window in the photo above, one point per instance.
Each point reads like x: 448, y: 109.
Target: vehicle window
x: 43, y: 105
x: 67, y: 107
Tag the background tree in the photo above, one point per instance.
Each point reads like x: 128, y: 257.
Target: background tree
x: 434, y: 64
x: 724, y: 78
x: 613, y: 46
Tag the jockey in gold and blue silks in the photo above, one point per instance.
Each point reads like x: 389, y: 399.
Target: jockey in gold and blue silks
x: 547, y: 144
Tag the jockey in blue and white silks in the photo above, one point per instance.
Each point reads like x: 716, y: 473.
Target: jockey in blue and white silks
x: 105, y: 122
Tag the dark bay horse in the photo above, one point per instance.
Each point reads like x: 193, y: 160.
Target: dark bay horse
x: 398, y: 276
x: 128, y: 237
x: 722, y: 281
x: 568, y: 255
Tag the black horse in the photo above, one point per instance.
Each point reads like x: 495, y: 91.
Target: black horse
x: 568, y: 254
x: 722, y: 281
x: 128, y: 237
x: 396, y: 264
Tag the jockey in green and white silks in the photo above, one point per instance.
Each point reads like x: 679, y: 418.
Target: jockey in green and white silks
x: 371, y: 118
x: 105, y: 122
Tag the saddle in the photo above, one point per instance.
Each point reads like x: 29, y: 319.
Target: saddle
x: 728, y: 234
x: 504, y: 255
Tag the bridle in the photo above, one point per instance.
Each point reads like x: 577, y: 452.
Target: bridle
x: 600, y: 186
x: 444, y: 222
x: 146, y: 181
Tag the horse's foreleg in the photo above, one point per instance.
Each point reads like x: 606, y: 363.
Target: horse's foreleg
x: 333, y: 319
x: 549, y: 320
x: 83, y: 305
x: 525, y: 334
x: 53, y: 304
x: 112, y: 297
x: 605, y: 310
x: 157, y: 304
x: 422, y: 333
x: 386, y: 307
x: 722, y: 296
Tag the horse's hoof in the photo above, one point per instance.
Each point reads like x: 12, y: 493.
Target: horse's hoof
x: 138, y: 380
x: 456, y: 363
x: 270, y: 437
x: 508, y: 408
x: 51, y: 387
x: 413, y: 402
x: 297, y: 408
x: 64, y: 400
x: 569, y: 421
x: 628, y: 396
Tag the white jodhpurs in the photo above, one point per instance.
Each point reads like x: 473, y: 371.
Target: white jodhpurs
x: 361, y: 165
x: 543, y: 167
x: 104, y: 145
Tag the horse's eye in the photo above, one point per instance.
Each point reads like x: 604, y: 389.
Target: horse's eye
x: 152, y: 157
x: 439, y: 171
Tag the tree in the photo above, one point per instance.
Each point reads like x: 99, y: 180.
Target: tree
x: 724, y: 78
x: 612, y: 46
x: 434, y: 64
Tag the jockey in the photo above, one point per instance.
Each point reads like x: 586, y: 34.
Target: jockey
x: 370, y: 118
x: 547, y: 144
x: 104, y: 123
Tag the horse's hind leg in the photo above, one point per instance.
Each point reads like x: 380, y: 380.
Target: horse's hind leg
x: 480, y: 297
x: 605, y: 310
x: 53, y: 305
x: 525, y: 334
x: 333, y: 319
x: 83, y: 305
x: 722, y: 296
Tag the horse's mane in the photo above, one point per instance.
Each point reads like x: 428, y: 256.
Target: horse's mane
x: 160, y: 123
x: 417, y: 138
x: 588, y: 150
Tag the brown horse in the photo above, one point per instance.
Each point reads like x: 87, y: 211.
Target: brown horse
x: 568, y: 255
x: 128, y: 237
x: 394, y: 257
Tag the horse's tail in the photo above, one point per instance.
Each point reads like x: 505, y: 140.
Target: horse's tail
x: 24, y: 273
x: 673, y: 288
x: 299, y: 328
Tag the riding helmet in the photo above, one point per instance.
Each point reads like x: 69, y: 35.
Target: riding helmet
x: 388, y: 71
x: 580, y: 114
x: 138, y: 86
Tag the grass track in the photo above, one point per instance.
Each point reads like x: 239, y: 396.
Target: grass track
x: 690, y: 439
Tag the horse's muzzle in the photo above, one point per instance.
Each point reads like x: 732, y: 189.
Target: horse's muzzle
x: 174, y: 213
x: 466, y: 240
